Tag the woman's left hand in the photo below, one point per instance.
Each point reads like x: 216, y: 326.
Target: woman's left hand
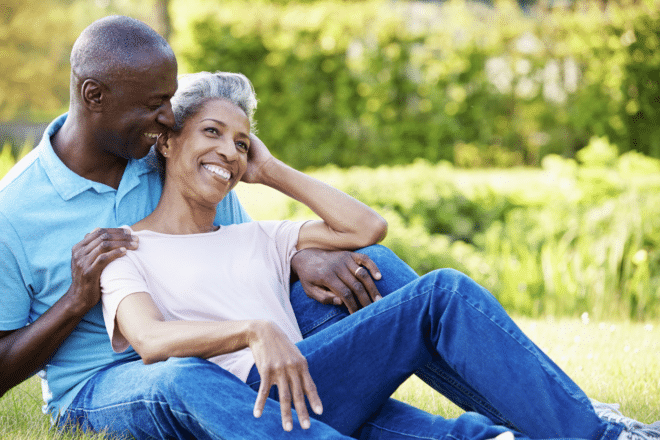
x: 280, y: 363
x: 258, y: 157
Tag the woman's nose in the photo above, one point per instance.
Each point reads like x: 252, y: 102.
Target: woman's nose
x: 227, y: 148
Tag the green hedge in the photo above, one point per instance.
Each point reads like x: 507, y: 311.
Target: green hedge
x: 569, y: 238
x: 374, y: 82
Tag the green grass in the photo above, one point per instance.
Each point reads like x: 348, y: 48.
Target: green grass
x: 612, y: 362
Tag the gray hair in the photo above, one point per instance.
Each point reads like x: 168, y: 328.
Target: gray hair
x: 196, y: 89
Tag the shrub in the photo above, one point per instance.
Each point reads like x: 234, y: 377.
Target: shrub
x: 371, y: 83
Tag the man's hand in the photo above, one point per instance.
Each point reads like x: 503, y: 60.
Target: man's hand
x: 280, y: 363
x: 90, y: 257
x: 337, y: 277
x: 26, y: 350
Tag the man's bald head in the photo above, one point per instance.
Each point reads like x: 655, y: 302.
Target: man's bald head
x: 115, y: 47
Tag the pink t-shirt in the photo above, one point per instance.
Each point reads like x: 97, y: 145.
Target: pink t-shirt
x: 238, y: 272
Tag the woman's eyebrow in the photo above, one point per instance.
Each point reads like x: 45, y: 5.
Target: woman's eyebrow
x: 214, y: 120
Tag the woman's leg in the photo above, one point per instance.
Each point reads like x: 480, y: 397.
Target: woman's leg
x: 314, y: 317
x: 447, y: 319
x: 398, y: 421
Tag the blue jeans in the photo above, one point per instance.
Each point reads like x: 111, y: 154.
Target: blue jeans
x: 193, y: 398
x: 447, y: 326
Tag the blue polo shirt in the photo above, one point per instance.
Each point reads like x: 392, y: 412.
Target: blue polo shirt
x: 45, y: 209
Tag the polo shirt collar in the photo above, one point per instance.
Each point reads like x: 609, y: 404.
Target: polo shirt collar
x: 69, y: 184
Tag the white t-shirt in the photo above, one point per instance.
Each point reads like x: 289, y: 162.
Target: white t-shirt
x: 238, y: 272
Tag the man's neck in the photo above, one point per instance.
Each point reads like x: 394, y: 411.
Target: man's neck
x: 79, y: 153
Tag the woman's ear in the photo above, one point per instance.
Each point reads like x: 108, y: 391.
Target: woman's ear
x: 163, y: 144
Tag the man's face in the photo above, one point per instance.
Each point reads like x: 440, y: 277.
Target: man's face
x: 138, y: 107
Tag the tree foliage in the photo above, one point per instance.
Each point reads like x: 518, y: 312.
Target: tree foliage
x: 386, y: 82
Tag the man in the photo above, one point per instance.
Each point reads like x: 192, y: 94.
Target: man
x: 90, y: 171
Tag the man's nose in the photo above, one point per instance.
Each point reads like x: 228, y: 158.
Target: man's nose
x: 166, y: 115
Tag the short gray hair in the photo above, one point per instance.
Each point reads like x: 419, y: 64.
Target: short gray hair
x: 196, y: 89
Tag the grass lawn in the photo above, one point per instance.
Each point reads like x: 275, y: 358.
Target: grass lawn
x: 612, y: 362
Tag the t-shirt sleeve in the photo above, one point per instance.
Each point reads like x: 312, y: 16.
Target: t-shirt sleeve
x: 15, y: 299
x: 119, y: 279
x: 230, y: 211
x: 285, y: 237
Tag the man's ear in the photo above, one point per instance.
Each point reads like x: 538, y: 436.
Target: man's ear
x: 92, y: 94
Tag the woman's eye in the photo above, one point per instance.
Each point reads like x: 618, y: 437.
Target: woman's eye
x: 242, y: 146
x: 211, y: 130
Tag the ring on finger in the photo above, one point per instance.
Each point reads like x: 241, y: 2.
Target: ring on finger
x: 358, y: 271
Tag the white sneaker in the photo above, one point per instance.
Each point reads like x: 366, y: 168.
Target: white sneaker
x: 633, y: 429
x: 506, y: 435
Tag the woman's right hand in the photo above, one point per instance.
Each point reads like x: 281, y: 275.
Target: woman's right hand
x: 280, y: 363
x: 258, y: 157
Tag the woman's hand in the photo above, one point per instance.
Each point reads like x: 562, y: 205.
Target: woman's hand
x: 280, y: 363
x: 258, y: 157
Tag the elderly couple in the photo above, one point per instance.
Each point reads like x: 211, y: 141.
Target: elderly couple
x: 155, y: 308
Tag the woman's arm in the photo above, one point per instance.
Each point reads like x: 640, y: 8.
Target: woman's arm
x: 346, y: 222
x: 154, y: 339
x: 278, y: 361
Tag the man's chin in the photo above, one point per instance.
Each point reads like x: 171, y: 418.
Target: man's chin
x: 139, y: 153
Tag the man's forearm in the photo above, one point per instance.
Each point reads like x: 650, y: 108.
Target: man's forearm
x: 26, y: 350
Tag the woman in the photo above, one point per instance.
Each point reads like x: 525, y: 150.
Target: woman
x: 194, y: 289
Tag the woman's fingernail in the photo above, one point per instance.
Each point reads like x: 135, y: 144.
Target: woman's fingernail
x: 305, y: 424
x: 288, y: 426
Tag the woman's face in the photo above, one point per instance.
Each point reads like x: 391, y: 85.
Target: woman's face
x: 208, y: 157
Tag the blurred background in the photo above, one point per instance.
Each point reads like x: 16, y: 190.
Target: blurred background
x: 516, y: 141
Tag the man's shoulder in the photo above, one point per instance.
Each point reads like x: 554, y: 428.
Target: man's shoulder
x: 20, y: 171
x: 22, y: 180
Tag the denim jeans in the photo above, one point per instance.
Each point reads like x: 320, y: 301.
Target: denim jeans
x: 444, y: 322
x: 193, y: 398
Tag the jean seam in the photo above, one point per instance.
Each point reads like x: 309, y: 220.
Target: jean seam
x: 466, y: 392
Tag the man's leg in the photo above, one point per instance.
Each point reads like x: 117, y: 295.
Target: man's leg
x: 314, y: 317
x: 446, y: 317
x: 175, y: 399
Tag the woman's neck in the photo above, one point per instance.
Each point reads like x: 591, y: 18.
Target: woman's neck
x: 177, y: 215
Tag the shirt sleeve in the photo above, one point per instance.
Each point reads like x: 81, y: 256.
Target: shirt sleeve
x: 230, y: 211
x: 285, y: 238
x: 119, y: 279
x: 15, y: 298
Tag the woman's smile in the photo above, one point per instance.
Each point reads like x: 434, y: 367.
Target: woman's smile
x: 217, y: 171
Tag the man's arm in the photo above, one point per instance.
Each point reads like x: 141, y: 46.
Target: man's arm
x: 26, y: 350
